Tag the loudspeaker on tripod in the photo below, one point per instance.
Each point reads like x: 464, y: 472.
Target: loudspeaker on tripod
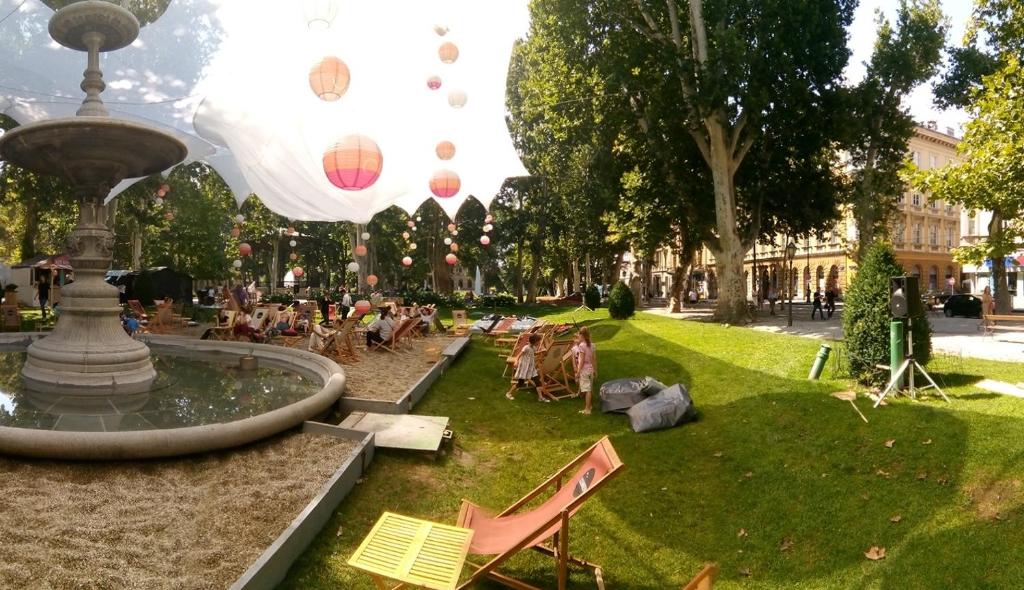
x: 905, y: 296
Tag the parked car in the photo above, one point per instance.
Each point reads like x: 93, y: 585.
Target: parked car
x: 964, y: 305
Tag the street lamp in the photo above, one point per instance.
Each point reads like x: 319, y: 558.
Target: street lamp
x: 790, y: 254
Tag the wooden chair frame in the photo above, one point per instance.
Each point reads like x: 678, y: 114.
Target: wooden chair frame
x: 705, y: 580
x: 460, y: 322
x: 560, y: 540
x: 225, y: 331
x: 392, y: 343
x: 554, y: 378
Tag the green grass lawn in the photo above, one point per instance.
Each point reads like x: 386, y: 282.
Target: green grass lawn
x: 781, y: 484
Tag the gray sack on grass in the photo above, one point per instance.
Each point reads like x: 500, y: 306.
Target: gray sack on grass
x: 620, y: 395
x: 669, y: 407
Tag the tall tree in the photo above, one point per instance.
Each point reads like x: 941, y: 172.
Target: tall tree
x: 905, y: 55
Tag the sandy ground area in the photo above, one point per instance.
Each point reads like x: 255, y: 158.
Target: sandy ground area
x: 382, y: 375
x: 196, y: 522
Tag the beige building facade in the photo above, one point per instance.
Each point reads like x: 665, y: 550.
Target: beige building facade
x: 924, y: 231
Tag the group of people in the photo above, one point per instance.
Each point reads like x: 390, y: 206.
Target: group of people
x: 584, y: 363
x: 828, y: 300
x: 390, y: 317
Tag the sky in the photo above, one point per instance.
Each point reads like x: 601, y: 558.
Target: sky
x: 862, y: 38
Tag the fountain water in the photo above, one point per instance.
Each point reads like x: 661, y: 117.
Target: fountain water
x: 88, y: 352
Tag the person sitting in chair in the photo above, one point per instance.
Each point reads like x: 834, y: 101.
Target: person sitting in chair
x: 381, y: 328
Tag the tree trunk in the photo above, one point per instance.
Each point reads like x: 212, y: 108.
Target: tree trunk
x: 575, y: 276
x: 729, y: 249
x: 28, y: 237
x: 519, y: 271
x: 1004, y: 304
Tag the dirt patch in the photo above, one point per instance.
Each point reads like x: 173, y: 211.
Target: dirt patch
x: 195, y: 522
x: 994, y: 500
x: 382, y: 375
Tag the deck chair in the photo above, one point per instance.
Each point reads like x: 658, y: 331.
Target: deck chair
x: 555, y: 379
x: 397, y: 334
x: 510, y: 360
x: 460, y: 322
x: 705, y: 580
x: 11, y: 318
x: 511, y: 531
x: 224, y: 331
x: 140, y: 312
x: 321, y: 341
x: 162, y: 322
x: 344, y: 346
x: 501, y: 328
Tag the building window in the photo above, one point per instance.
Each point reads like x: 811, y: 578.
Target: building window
x: 915, y: 199
x: 949, y: 207
x: 916, y: 156
x: 972, y: 224
x: 1011, y: 283
x: 933, y: 161
x: 949, y: 237
x: 917, y: 234
x: 897, y: 232
x: 933, y: 236
x: 899, y: 199
x: 934, y: 203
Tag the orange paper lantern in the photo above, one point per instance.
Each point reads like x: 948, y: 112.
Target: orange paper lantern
x: 329, y: 78
x: 354, y: 163
x: 293, y: 256
x: 445, y: 150
x: 445, y: 184
x: 371, y: 280
x: 448, y: 52
x: 362, y: 306
x: 245, y: 249
x: 454, y: 247
x: 360, y: 250
x: 235, y: 232
x: 297, y: 272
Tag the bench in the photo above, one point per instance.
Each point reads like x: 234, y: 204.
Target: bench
x: 990, y: 322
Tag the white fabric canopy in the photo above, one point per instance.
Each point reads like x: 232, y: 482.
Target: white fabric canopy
x: 230, y: 78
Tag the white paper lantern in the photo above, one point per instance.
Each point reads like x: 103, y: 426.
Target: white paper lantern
x: 405, y: 235
x: 237, y: 264
x: 412, y: 246
x: 447, y: 241
x: 455, y: 233
x: 488, y: 227
x: 353, y: 267
x: 366, y: 235
x: 239, y: 218
x: 418, y: 218
x: 159, y: 202
x: 413, y: 228
x: 293, y: 243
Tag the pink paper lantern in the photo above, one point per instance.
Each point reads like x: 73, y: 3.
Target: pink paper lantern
x: 362, y: 306
x: 371, y: 280
x: 245, y: 249
x: 360, y: 250
x: 407, y: 261
x: 451, y: 227
x: 433, y: 82
x: 445, y: 184
x: 354, y: 163
x: 445, y: 150
x: 410, y: 223
x: 485, y: 241
x: 166, y: 188
x: 293, y: 256
x: 161, y: 193
x: 235, y: 232
x: 489, y: 218
x: 297, y: 272
x: 451, y: 259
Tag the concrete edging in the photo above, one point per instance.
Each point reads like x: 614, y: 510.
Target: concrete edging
x: 410, y: 398
x: 193, y: 439
x: 272, y: 565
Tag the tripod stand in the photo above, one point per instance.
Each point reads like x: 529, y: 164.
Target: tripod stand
x: 908, y: 366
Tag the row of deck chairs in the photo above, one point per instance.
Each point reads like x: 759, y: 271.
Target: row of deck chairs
x: 169, y: 317
x: 340, y: 344
x: 554, y: 362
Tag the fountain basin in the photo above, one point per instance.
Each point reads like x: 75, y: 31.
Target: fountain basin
x: 162, y: 422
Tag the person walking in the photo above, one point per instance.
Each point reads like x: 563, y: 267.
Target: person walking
x: 43, y: 288
x: 772, y: 298
x: 830, y: 302
x: 816, y: 305
x: 346, y: 303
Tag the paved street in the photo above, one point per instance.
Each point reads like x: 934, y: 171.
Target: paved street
x: 956, y: 336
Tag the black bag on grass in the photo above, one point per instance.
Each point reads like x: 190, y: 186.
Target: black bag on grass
x: 669, y: 407
x: 620, y: 395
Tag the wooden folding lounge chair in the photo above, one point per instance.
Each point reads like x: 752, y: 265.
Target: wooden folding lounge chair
x: 11, y: 318
x: 321, y: 341
x: 224, y: 331
x: 555, y: 380
x: 397, y: 334
x: 140, y: 312
x: 705, y: 580
x: 501, y: 328
x: 511, y: 531
x: 510, y: 360
x: 344, y: 346
x: 460, y: 322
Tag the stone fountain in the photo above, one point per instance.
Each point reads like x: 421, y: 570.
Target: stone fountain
x: 88, y: 352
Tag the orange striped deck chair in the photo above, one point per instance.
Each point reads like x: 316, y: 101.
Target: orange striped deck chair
x: 544, y: 527
x: 705, y: 580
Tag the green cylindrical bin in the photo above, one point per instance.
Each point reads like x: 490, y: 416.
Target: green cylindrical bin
x: 819, y: 361
x: 896, y: 347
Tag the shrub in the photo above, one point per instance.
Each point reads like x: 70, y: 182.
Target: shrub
x: 592, y: 297
x: 621, y: 304
x: 866, y: 317
x: 498, y: 300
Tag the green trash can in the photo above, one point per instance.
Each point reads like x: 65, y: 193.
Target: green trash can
x: 819, y: 361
